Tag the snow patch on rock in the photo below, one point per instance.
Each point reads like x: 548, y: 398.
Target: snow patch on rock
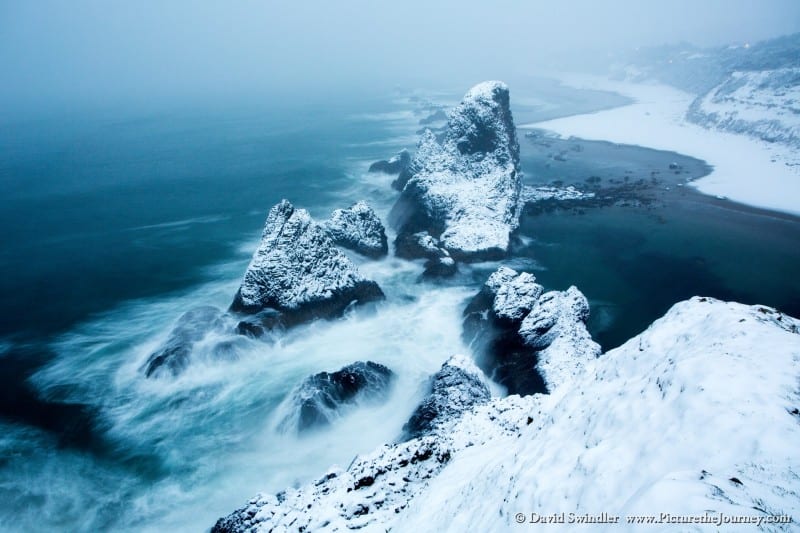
x: 540, y: 194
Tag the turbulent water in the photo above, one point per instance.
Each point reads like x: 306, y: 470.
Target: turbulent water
x: 116, y: 225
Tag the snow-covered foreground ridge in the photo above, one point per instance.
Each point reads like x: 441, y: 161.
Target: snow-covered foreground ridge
x: 697, y: 418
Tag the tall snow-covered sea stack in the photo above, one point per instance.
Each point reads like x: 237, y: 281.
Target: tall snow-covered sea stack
x: 464, y: 190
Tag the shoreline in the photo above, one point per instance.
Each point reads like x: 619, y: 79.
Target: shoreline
x: 656, y: 120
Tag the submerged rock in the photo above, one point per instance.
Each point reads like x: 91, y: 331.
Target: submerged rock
x: 298, y: 272
x: 394, y: 165
x: 528, y: 340
x: 192, y: 327
x: 440, y: 267
x: 465, y: 189
x: 455, y: 388
x: 318, y: 400
x: 358, y: 228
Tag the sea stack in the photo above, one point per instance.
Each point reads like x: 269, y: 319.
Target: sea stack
x: 297, y: 274
x: 465, y: 190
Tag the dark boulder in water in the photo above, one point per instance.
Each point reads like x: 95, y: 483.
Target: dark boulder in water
x: 395, y: 165
x: 192, y: 327
x: 454, y: 389
x: 358, y: 228
x: 319, y: 399
x: 299, y: 273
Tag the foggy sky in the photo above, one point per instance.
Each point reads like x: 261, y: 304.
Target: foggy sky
x: 105, y: 50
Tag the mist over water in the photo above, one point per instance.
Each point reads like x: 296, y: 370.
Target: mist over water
x: 88, y: 53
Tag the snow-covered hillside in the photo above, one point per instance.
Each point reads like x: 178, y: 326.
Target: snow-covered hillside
x: 698, y: 415
x: 763, y: 104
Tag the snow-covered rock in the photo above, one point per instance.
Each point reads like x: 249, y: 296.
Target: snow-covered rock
x: 174, y: 355
x: 698, y: 416
x: 545, y: 193
x: 455, y: 388
x: 358, y: 228
x: 299, y: 273
x: 394, y: 165
x: 414, y: 245
x: 556, y: 328
x: 465, y: 190
x: 318, y: 400
x: 764, y: 104
x: 528, y: 340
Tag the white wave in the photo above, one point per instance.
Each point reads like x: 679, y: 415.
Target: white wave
x: 400, y: 115
x: 182, y: 223
x: 213, y: 427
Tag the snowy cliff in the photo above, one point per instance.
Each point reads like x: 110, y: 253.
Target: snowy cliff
x: 763, y: 104
x: 698, y: 415
x: 465, y: 189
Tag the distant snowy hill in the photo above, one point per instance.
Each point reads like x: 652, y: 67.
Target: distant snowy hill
x: 692, y: 424
x: 763, y: 104
x: 747, y: 89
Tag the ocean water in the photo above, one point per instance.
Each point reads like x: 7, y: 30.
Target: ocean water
x: 116, y: 223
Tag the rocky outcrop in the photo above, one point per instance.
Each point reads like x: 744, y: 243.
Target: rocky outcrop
x: 297, y: 274
x: 421, y: 245
x: 173, y: 356
x: 456, y: 387
x: 556, y: 329
x: 528, y: 340
x: 358, y: 228
x: 320, y: 398
x: 465, y: 190
x: 394, y: 165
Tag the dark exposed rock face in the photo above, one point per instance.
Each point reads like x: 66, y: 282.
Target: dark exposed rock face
x: 319, y: 398
x: 395, y: 165
x: 528, y: 340
x: 358, y: 228
x: 298, y: 272
x: 465, y: 189
x: 192, y: 327
x: 455, y: 388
